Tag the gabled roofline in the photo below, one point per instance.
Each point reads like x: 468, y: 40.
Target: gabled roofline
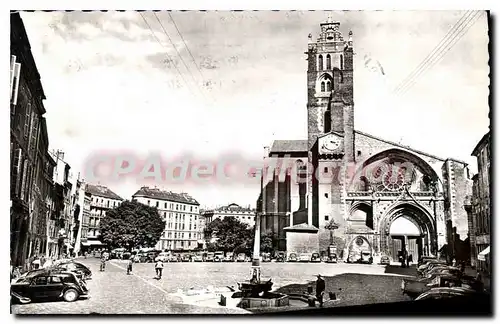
x: 409, y: 148
x: 479, y: 144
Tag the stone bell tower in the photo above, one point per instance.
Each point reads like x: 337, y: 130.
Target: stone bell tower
x: 330, y: 111
x: 330, y: 84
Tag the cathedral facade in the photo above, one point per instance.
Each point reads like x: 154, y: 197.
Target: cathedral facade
x: 353, y: 191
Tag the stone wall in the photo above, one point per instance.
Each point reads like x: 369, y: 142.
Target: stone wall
x: 300, y: 242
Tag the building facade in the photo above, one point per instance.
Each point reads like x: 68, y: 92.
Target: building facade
x: 29, y: 188
x: 63, y: 207
x: 481, y: 207
x: 375, y: 195
x: 181, y: 213
x: 82, y: 200
x: 245, y: 215
x: 102, y: 199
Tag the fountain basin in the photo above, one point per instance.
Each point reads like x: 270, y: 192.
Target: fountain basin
x: 266, y: 300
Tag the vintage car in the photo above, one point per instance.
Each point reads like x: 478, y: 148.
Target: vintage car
x: 229, y: 257
x: 414, y: 288
x: 241, y: 257
x: 186, y: 257
x: 280, y: 256
x: 427, y: 259
x: 332, y: 258
x: 218, y: 256
x: 198, y: 257
x: 442, y: 270
x: 82, y: 270
x: 304, y: 257
x: 292, y: 257
x: 163, y: 257
x: 266, y: 257
x: 429, y: 265
x: 48, y: 284
x: 384, y: 260
x: 366, y: 257
x: 210, y: 257
x: 315, y: 257
x: 447, y: 292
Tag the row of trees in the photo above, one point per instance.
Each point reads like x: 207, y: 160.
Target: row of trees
x: 133, y: 225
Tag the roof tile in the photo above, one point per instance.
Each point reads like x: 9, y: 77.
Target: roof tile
x: 166, y: 195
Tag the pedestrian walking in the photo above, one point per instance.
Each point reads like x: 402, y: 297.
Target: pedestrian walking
x: 410, y: 260
x: 159, y: 268
x: 129, y: 265
x: 320, y: 289
x: 103, y: 262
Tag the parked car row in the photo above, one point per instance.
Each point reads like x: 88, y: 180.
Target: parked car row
x: 63, y: 280
x: 437, y: 279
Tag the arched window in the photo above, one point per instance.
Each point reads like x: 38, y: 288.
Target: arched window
x: 328, y: 86
x: 323, y: 86
x: 320, y: 63
x: 328, y: 62
x: 341, y: 62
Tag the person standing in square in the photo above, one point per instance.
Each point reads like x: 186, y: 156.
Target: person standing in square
x: 159, y: 268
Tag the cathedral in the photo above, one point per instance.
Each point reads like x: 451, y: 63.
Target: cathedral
x: 351, y: 191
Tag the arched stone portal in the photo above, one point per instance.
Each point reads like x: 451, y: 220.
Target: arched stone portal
x: 407, y: 226
x: 357, y: 247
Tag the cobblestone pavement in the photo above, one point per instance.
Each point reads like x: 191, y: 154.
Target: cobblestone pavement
x: 115, y: 292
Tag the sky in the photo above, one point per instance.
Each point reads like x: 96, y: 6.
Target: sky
x: 112, y: 86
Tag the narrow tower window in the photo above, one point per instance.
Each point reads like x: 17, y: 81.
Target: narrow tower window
x: 328, y: 121
x: 320, y: 63
x: 322, y: 86
x: 328, y: 86
x: 341, y: 61
x: 328, y: 62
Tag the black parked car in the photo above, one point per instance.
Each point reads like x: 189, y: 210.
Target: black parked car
x: 48, y: 284
x: 280, y: 256
x: 76, y: 267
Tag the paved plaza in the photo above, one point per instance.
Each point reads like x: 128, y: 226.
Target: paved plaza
x: 115, y: 292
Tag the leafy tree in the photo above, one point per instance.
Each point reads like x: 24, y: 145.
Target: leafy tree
x: 231, y: 235
x: 268, y: 241
x: 132, y: 225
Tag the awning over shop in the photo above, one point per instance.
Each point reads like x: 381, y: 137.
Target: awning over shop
x: 482, y: 256
x: 92, y: 242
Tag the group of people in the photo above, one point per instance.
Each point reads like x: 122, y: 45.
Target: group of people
x: 158, y: 267
x: 405, y: 259
x: 130, y: 264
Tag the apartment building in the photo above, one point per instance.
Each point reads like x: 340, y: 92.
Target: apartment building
x: 102, y: 199
x: 181, y: 213
x: 245, y: 215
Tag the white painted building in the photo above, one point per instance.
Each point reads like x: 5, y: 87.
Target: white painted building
x: 181, y: 213
x: 245, y: 215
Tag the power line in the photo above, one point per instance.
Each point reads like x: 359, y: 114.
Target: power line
x: 449, y: 46
x: 433, y: 60
x: 182, y: 60
x: 166, y: 53
x: 429, y: 56
x: 189, y: 51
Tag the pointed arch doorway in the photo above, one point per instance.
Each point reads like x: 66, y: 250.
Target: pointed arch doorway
x: 405, y: 235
